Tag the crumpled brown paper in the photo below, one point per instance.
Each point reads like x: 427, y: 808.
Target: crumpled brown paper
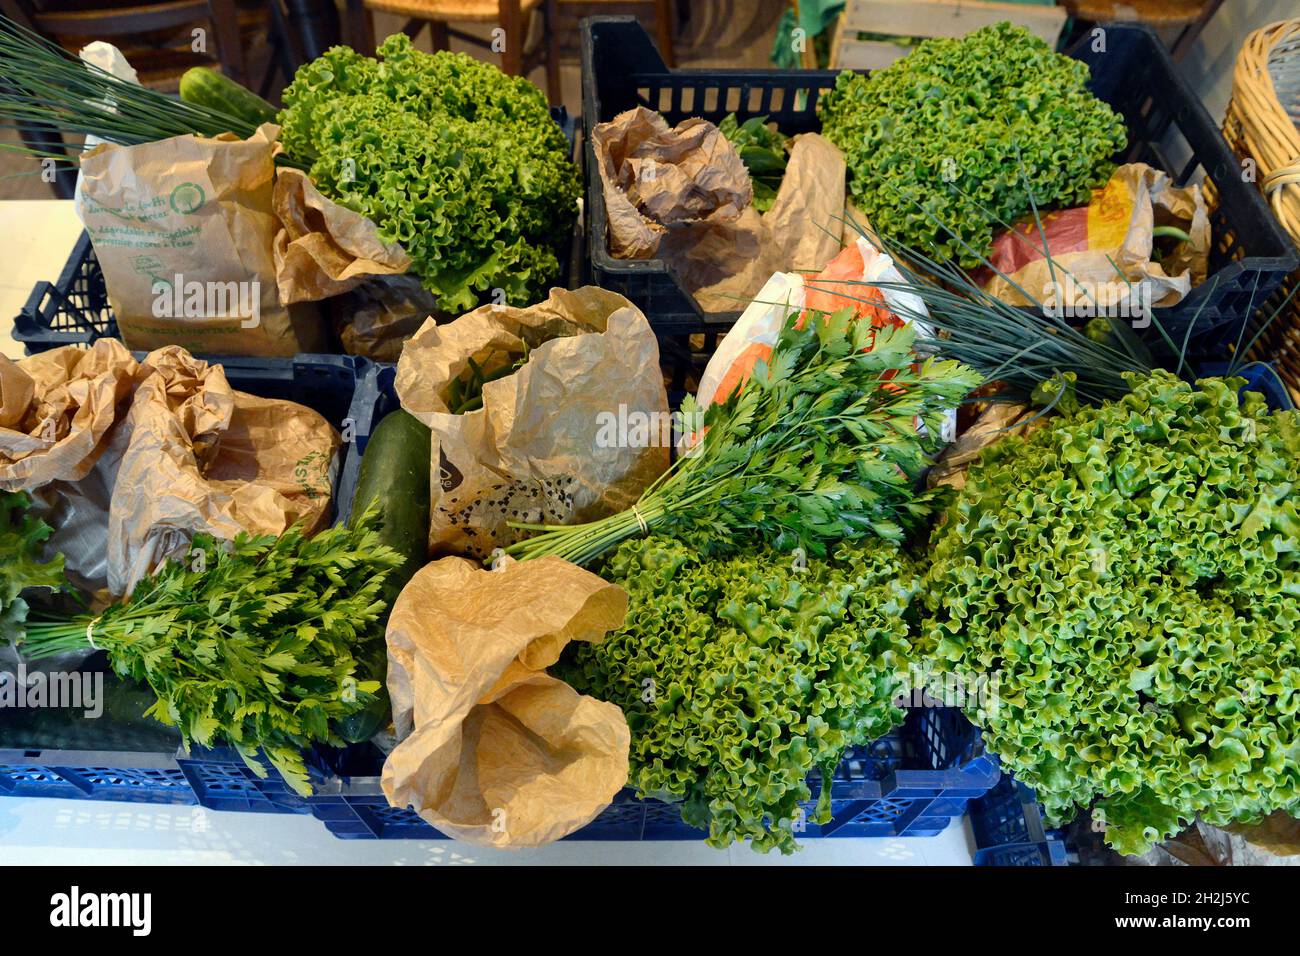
x: 656, y: 178
x: 377, y: 317
x: 198, y: 209
x: 323, y: 249
x: 148, y: 454
x: 1114, y: 231
x: 1235, y: 845
x: 546, y: 446
x: 198, y: 456
x: 496, y: 751
x: 56, y: 410
x: 683, y: 195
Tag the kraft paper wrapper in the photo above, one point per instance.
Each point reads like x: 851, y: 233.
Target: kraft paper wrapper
x: 684, y: 196
x: 324, y: 249
x: 496, y: 751
x: 376, y: 318
x: 533, y: 453
x: 152, y: 454
x: 656, y: 179
x: 198, y: 456
x: 1116, y: 226
x: 56, y: 410
x: 202, y: 209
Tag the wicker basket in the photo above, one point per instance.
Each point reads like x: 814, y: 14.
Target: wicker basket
x: 1261, y: 124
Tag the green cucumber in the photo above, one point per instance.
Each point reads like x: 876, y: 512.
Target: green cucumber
x: 204, y: 86
x: 394, y: 478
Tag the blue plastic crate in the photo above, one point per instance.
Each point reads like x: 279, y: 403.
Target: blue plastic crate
x: 913, y: 782
x: 1008, y: 827
x: 220, y: 780
x: 216, y: 779
x: 1260, y: 377
x: 70, y: 775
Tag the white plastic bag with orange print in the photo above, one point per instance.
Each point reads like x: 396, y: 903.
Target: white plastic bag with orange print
x: 846, y: 282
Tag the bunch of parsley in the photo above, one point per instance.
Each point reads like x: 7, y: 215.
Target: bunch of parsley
x: 821, y: 445
x: 258, y: 642
x: 452, y: 158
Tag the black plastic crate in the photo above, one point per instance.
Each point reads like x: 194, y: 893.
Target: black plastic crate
x: 621, y: 69
x: 72, y: 311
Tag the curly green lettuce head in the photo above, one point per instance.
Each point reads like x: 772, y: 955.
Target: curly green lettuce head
x: 963, y: 132
x: 1131, y: 574
x: 739, y: 677
x: 449, y: 156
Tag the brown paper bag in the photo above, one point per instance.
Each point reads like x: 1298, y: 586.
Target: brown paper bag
x: 799, y: 233
x: 496, y: 751
x: 323, y: 249
x: 198, y: 456
x: 183, y: 230
x: 56, y: 410
x: 377, y: 317
x: 656, y: 179
x: 996, y: 421
x: 537, y: 451
x: 683, y: 195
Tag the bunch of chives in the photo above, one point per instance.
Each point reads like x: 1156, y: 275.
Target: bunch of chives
x: 42, y: 85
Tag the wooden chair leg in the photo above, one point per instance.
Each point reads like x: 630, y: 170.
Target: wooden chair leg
x: 413, y: 27
x: 439, y: 36
x: 512, y: 22
x: 1192, y: 32
x: 316, y: 24
x: 43, y: 138
x: 665, y: 25
x: 361, y: 27
x: 551, y: 37
x: 286, y: 50
x: 230, y: 50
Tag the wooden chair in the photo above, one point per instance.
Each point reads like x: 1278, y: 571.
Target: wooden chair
x: 156, y: 38
x: 665, y: 19
x: 512, y: 16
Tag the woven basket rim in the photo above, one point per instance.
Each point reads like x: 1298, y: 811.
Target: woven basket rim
x: 1265, y: 128
x: 1259, y: 128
